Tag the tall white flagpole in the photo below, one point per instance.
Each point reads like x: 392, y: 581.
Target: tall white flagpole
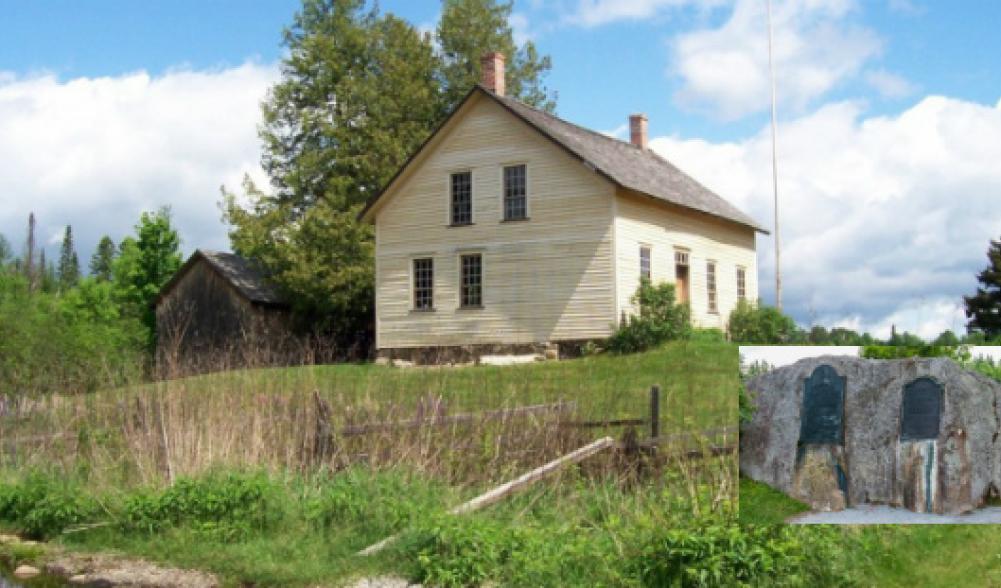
x: 775, y: 169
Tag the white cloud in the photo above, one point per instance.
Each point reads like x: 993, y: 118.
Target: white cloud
x: 593, y: 13
x: 888, y: 84
x: 96, y: 152
x: 520, y: 30
x: 906, y: 7
x: 885, y: 220
x: 619, y: 132
x: 724, y: 70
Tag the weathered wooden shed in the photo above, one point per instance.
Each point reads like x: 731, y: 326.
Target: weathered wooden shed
x: 219, y: 310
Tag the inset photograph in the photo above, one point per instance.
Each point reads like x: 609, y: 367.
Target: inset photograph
x: 870, y: 435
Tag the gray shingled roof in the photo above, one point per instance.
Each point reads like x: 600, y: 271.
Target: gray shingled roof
x: 244, y: 276
x: 238, y: 271
x: 625, y: 164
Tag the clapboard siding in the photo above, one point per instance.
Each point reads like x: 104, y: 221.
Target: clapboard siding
x: 549, y: 278
x: 641, y: 220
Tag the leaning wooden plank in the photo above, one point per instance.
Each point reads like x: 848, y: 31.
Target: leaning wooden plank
x: 510, y: 487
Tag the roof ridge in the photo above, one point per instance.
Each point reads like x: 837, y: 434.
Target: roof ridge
x: 615, y: 140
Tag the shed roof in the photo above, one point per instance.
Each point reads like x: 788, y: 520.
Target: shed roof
x: 243, y: 274
x: 623, y: 163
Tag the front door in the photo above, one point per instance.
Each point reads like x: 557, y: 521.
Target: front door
x: 681, y: 276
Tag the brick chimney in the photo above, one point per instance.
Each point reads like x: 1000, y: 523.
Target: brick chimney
x: 493, y: 72
x: 637, y: 130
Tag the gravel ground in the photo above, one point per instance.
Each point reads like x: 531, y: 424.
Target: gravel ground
x: 888, y: 515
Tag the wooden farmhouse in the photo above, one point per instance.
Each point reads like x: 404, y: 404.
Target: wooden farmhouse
x: 219, y: 310
x: 511, y: 229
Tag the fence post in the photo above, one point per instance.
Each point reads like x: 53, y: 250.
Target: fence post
x: 655, y: 412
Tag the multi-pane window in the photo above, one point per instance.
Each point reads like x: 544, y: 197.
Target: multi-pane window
x: 741, y: 283
x: 711, y: 286
x: 645, y: 263
x: 515, y: 192
x: 462, y: 198
x: 472, y: 280
x: 423, y: 284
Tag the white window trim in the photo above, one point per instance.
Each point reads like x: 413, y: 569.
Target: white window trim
x: 528, y: 191
x: 483, y: 279
x: 413, y: 284
x: 736, y: 276
x: 448, y: 196
x: 639, y: 264
x: 715, y: 292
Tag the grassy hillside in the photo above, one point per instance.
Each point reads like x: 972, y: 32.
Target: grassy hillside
x: 222, y: 471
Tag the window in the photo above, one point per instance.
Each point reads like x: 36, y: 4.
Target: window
x: 472, y: 281
x: 645, y: 263
x: 741, y: 283
x: 424, y: 284
x: 462, y: 198
x: 680, y: 257
x: 515, y: 193
x: 711, y: 286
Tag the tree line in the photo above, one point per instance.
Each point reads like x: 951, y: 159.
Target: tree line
x: 67, y: 331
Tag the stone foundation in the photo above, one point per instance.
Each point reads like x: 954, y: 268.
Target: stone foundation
x: 471, y: 354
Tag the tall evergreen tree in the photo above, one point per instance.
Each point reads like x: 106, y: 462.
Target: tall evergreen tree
x: 983, y: 309
x: 5, y: 251
x: 69, y: 263
x: 359, y: 92
x: 101, y: 261
x: 469, y: 29
x: 144, y: 265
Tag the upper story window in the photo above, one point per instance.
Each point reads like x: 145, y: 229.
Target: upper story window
x: 741, y: 283
x: 462, y: 198
x: 711, y: 287
x: 645, y: 273
x: 515, y: 192
x: 424, y: 284
x: 471, y: 295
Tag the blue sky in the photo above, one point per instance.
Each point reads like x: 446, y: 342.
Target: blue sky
x: 890, y: 113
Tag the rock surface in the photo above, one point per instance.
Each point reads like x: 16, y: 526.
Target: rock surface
x: 964, y: 466
x: 24, y: 572
x: 108, y: 570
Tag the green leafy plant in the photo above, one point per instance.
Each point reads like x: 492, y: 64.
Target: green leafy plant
x: 752, y: 323
x: 660, y: 319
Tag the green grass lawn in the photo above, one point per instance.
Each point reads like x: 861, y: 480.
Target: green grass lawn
x: 698, y: 382
x: 761, y: 505
x: 894, y: 555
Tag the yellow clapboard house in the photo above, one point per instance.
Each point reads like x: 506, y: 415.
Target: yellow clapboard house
x: 511, y: 228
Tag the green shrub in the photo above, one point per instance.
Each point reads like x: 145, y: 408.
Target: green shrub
x: 660, y: 319
x: 224, y: 506
x: 42, y: 506
x: 721, y: 553
x: 959, y: 353
x: 708, y: 336
x: 381, y: 502
x: 461, y: 551
x: 751, y: 323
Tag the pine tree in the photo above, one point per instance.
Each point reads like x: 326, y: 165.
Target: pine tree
x: 5, y: 251
x: 469, y: 29
x: 103, y: 258
x: 69, y: 263
x: 983, y: 309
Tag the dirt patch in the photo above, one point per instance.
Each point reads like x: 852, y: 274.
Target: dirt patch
x: 110, y: 570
